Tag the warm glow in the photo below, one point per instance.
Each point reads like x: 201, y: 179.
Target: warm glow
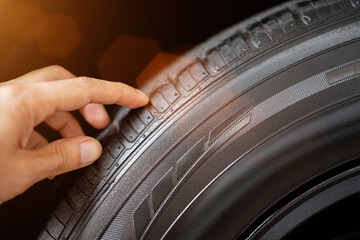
x: 126, y: 56
x: 24, y: 20
x: 58, y: 35
x: 160, y: 62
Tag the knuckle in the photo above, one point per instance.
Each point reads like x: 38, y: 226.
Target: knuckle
x: 11, y: 91
x: 84, y: 81
x: 57, y: 68
x: 63, y: 159
x: 121, y: 91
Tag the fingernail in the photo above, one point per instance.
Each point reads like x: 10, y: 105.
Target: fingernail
x: 143, y: 94
x: 90, y: 151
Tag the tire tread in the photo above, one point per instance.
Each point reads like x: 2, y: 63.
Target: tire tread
x: 141, y: 122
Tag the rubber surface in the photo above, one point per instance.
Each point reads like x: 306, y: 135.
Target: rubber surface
x: 262, y: 76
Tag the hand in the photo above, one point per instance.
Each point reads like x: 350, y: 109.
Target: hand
x: 47, y: 95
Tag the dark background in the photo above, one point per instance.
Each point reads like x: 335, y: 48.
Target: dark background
x: 114, y: 40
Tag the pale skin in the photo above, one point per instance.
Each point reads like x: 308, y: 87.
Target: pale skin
x: 47, y: 95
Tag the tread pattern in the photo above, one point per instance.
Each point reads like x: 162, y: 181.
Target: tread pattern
x: 136, y: 126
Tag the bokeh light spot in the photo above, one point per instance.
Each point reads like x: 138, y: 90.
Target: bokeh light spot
x: 58, y: 35
x: 24, y: 20
x: 156, y: 66
x: 125, y: 57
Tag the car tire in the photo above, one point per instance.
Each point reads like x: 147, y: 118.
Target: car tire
x: 233, y: 129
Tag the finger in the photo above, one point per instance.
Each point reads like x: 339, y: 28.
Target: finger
x: 33, y: 103
x: 65, y: 124
x: 62, y: 156
x: 36, y: 141
x: 96, y: 115
x: 46, y: 74
x: 43, y: 99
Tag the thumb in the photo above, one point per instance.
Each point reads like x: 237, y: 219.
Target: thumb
x: 65, y: 155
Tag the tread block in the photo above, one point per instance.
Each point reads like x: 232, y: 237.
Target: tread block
x: 170, y: 93
x: 198, y: 71
x: 322, y: 8
x: 239, y: 46
x: 186, y: 81
x: 144, y: 115
x: 336, y: 5
x: 85, y: 185
x: 54, y: 227
x: 63, y: 212
x: 159, y: 102
x: 92, y: 174
x: 286, y: 20
x: 258, y: 36
x: 274, y: 28
x: 44, y: 235
x: 161, y: 189
x: 136, y: 123
x: 227, y: 53
x: 76, y: 198
x: 129, y: 134
x: 307, y: 13
x: 141, y: 217
x: 215, y: 60
x: 114, y: 147
x: 189, y: 157
x: 106, y: 160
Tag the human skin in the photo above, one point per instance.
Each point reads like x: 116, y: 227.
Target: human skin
x: 47, y: 95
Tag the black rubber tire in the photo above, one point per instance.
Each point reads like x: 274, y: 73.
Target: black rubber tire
x: 245, y: 119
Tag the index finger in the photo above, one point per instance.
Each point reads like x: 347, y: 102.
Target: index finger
x: 45, y: 98
x: 56, y: 73
x: 46, y: 74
